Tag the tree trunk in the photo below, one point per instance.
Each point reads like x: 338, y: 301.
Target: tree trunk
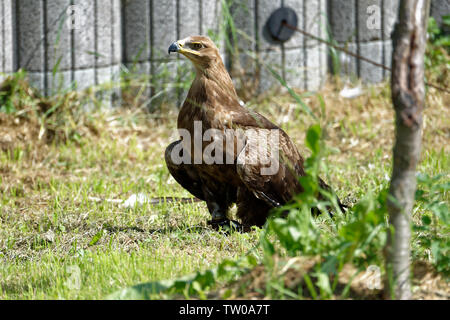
x: 408, y: 95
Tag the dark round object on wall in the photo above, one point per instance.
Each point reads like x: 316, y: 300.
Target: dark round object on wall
x: 277, y: 30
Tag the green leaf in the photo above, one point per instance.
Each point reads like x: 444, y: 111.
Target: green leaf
x: 330, y: 264
x: 196, y: 286
x: 440, y: 210
x: 446, y: 20
x: 323, y: 282
x: 96, y: 237
x: 426, y: 220
x: 313, y: 138
x: 310, y: 286
x: 251, y: 259
x: 295, y: 233
x: 141, y: 291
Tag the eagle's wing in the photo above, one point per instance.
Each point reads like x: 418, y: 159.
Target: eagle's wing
x: 245, y: 118
x: 270, y: 168
x: 278, y: 187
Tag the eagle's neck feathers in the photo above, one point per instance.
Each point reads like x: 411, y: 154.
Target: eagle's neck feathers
x: 213, y: 86
x: 212, y: 99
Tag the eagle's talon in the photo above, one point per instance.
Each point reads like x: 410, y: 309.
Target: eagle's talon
x: 226, y: 225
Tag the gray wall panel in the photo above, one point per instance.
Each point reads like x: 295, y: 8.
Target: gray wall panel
x: 313, y: 65
x: 84, y: 37
x: 59, y: 38
x: 56, y: 82
x: 137, y: 30
x: 390, y: 11
x: 369, y: 20
x: 188, y: 18
x: 323, y: 52
x: 244, y: 20
x: 8, y: 34
x: 364, y: 27
x: 104, y: 33
x: 164, y: 29
x: 373, y: 51
x: 53, y: 50
x: 342, y: 16
x: 114, y: 32
x: 210, y: 15
x: 284, y: 58
x: 297, y: 40
x: 272, y: 58
x: 264, y: 9
x: 312, y: 17
x: 295, y: 68
x: 84, y: 78
x: 37, y: 79
x: 116, y: 41
x: 349, y: 64
x: 2, y: 43
x: 387, y: 56
x: 30, y: 24
x: 439, y: 9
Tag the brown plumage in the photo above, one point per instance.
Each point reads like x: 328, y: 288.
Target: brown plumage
x: 212, y: 100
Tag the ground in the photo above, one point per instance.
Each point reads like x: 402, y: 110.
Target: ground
x: 54, y: 225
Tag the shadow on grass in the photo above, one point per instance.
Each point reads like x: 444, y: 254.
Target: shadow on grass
x: 193, y: 229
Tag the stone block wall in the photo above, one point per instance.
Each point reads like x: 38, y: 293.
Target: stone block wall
x: 302, y: 62
x: 79, y: 43
x: 63, y: 43
x: 8, y: 61
x: 149, y: 27
x: 439, y: 9
x: 363, y: 27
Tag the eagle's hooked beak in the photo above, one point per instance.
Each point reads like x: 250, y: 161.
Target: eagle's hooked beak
x: 182, y: 46
x: 174, y: 47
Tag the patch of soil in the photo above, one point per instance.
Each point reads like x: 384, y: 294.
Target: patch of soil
x: 17, y: 132
x: 427, y: 284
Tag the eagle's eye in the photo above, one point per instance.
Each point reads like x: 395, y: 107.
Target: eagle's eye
x: 197, y: 45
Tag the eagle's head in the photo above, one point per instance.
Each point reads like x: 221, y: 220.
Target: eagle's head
x: 199, y: 49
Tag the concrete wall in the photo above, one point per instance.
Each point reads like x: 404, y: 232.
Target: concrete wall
x: 302, y: 62
x: 149, y: 27
x: 7, y: 56
x: 353, y: 25
x: 363, y: 27
x: 440, y: 8
x: 59, y: 54
x: 87, y: 45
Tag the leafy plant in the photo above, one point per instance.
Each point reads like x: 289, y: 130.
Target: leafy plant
x: 11, y: 92
x: 437, y: 55
x: 433, y: 229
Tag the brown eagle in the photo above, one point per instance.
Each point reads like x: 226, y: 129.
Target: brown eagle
x: 212, y: 112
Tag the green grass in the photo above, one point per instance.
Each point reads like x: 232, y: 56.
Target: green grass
x: 55, y: 160
x: 48, y: 222
x: 53, y: 165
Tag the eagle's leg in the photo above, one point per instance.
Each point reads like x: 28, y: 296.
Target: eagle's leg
x: 218, y: 212
x: 218, y: 196
x: 218, y: 203
x: 251, y: 210
x: 185, y: 174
